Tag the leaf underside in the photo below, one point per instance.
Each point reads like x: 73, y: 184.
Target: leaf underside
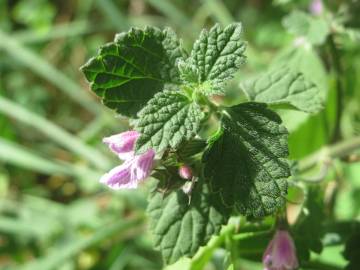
x: 246, y: 162
x: 284, y: 86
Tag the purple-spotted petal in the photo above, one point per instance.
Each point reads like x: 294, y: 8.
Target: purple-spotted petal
x: 119, y: 177
x: 123, y: 144
x: 142, y: 165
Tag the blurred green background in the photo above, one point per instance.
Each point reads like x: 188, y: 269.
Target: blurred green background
x: 53, y: 212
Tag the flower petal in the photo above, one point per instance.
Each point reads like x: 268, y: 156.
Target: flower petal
x: 142, y: 165
x: 123, y: 143
x: 284, y: 252
x: 119, y: 177
x: 267, y: 257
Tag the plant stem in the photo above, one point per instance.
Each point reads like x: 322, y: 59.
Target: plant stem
x: 340, y: 90
x: 338, y: 150
x: 203, y: 255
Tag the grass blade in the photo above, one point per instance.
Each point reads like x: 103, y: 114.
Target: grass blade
x: 171, y: 11
x: 54, y: 132
x: 64, y: 30
x: 219, y: 11
x: 113, y: 14
x: 20, y: 156
x: 23, y: 157
x: 60, y: 255
x: 41, y: 67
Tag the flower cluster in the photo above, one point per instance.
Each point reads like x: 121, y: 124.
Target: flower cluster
x: 135, y: 168
x: 280, y: 253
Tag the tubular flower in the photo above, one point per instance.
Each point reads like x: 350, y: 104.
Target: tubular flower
x: 185, y: 172
x: 123, y: 144
x: 135, y: 168
x: 280, y: 253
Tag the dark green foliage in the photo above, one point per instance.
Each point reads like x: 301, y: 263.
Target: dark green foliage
x: 129, y: 71
x: 310, y: 228
x: 352, y: 251
x: 168, y: 119
x: 181, y: 226
x: 246, y: 161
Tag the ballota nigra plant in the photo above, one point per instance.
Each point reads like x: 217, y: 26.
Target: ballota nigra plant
x: 202, y: 180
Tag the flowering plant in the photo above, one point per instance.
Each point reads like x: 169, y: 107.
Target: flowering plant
x: 211, y: 162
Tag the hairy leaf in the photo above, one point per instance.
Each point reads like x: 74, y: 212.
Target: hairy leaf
x: 128, y: 72
x: 283, y: 86
x: 313, y: 29
x: 168, y: 119
x: 180, y: 228
x: 189, y: 73
x: 306, y: 61
x: 217, y: 55
x: 246, y: 161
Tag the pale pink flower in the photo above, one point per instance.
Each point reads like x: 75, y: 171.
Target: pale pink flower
x: 123, y: 144
x: 280, y: 253
x: 316, y: 7
x: 132, y: 172
x: 135, y: 168
x: 185, y: 172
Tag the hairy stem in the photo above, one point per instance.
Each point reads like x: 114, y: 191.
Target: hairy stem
x: 204, y: 254
x: 338, y: 150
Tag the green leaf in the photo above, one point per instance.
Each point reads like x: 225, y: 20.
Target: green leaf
x: 180, y: 228
x: 246, y: 161
x: 217, y: 55
x: 309, y: 229
x: 128, y: 72
x: 352, y: 251
x: 284, y: 86
x: 189, y: 73
x: 191, y: 148
x: 306, y: 61
x: 168, y: 119
x: 314, y: 29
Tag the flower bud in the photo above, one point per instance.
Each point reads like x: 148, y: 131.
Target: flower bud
x: 185, y: 172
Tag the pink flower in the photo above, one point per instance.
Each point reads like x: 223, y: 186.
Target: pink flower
x: 123, y: 144
x: 131, y: 172
x: 185, y: 172
x: 135, y: 168
x: 316, y: 7
x: 280, y: 253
